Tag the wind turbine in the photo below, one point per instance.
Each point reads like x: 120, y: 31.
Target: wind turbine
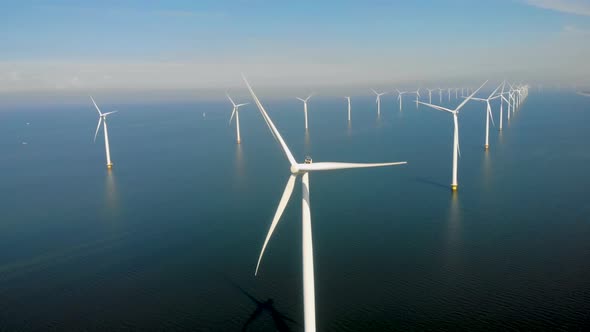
x: 417, y: 92
x: 440, y: 95
x: 302, y: 169
x: 305, y: 108
x: 449, y: 91
x: 488, y: 114
x: 348, y: 98
x: 103, y: 117
x: 456, y: 149
x: 400, y: 98
x: 236, y: 112
x: 502, y: 99
x: 378, y: 101
x: 430, y: 95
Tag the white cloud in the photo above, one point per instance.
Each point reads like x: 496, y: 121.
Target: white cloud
x: 577, y: 7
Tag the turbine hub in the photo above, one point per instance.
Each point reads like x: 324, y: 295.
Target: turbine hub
x: 294, y: 169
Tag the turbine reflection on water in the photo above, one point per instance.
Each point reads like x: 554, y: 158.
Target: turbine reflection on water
x: 112, y: 208
x: 453, y: 237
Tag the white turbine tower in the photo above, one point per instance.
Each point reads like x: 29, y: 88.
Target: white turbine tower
x: 236, y: 112
x: 303, y: 170
x: 400, y: 97
x: 348, y: 98
x: 103, y: 117
x: 305, y: 108
x: 502, y: 99
x: 449, y: 92
x: 378, y: 101
x: 417, y: 92
x: 430, y: 95
x: 456, y: 149
x: 440, y: 90
x: 488, y: 114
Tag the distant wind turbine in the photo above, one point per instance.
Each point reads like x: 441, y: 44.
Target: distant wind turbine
x: 430, y: 95
x: 456, y: 149
x: 302, y: 169
x: 400, y: 97
x: 348, y: 98
x: 236, y: 112
x: 440, y: 90
x: 502, y: 99
x: 488, y: 114
x: 103, y: 117
x: 417, y: 92
x: 305, y: 108
x: 378, y: 101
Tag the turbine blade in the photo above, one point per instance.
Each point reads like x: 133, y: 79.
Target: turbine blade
x: 243, y: 104
x: 228, y: 97
x: 233, y: 112
x: 275, y: 220
x: 490, y: 115
x: 375, y: 92
x: 329, y: 166
x: 96, y: 106
x: 494, y: 92
x: 440, y: 108
x: 97, y: 128
x: 303, y: 100
x: 271, y: 125
x: 105, y: 114
x: 470, y: 96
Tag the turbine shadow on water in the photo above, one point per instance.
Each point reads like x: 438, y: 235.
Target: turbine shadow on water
x: 280, y: 321
x: 432, y: 183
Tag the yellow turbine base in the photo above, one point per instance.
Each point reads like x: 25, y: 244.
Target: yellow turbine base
x: 109, y: 166
x: 486, y: 147
x: 454, y: 187
x: 239, y: 142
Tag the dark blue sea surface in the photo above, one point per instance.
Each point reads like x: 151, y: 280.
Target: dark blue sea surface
x: 168, y: 240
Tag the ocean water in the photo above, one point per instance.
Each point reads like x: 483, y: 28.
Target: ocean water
x: 169, y: 239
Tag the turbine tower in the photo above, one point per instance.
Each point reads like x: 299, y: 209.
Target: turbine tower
x: 348, y: 98
x: 489, y: 114
x: 502, y: 99
x: 303, y: 170
x: 102, y: 117
x: 305, y: 107
x: 400, y: 98
x: 236, y: 112
x: 430, y: 95
x: 456, y: 149
x: 378, y: 101
x: 417, y: 92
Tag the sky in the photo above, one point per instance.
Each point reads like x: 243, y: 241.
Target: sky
x: 82, y: 46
